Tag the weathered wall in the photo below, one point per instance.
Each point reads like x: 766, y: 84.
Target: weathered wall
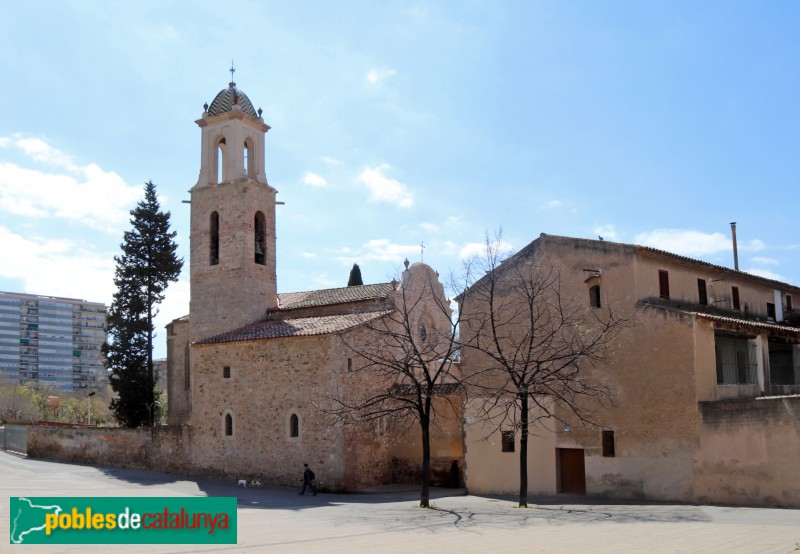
x: 160, y: 448
x: 446, y: 442
x: 749, y: 450
x: 269, y: 381
x: 652, y: 402
x: 178, y: 371
x: 490, y: 470
x: 236, y: 291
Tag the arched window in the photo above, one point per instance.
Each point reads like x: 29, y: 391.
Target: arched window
x: 294, y: 426
x: 260, y: 226
x: 249, y: 158
x: 222, y: 175
x: 214, y: 239
x: 228, y: 425
x: 594, y: 296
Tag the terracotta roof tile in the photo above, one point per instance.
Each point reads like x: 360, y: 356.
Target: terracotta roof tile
x: 325, y: 297
x: 297, y: 327
x: 750, y: 323
x: 737, y: 321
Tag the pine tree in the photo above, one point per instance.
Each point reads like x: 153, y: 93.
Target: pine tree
x: 148, y: 264
x: 355, y: 277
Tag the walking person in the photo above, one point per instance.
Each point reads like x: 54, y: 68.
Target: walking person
x: 308, y: 477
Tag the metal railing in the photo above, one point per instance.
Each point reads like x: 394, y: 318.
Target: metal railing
x: 15, y: 438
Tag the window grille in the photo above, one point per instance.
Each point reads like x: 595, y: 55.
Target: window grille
x: 736, y: 361
x: 608, y: 444
x: 508, y: 441
x: 701, y: 292
x: 594, y: 296
x: 663, y: 284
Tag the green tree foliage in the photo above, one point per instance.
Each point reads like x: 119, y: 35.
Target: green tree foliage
x: 355, y: 277
x: 148, y: 264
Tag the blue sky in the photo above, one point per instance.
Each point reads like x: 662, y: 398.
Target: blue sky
x: 394, y: 123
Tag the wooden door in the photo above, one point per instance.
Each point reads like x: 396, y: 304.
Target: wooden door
x: 571, y: 471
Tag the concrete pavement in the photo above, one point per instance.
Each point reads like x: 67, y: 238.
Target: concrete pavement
x: 387, y: 521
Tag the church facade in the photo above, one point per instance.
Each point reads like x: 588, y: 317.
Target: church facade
x: 251, y: 371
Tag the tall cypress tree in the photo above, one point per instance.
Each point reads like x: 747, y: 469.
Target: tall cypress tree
x: 355, y: 277
x: 148, y: 264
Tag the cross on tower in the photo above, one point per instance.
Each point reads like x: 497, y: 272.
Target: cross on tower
x: 422, y: 251
x: 232, y: 70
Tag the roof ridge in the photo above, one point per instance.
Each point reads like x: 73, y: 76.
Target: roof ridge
x: 335, y: 288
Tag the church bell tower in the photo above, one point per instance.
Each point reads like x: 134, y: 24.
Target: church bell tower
x: 232, y: 242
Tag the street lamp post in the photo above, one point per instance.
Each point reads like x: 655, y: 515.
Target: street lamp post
x: 89, y: 399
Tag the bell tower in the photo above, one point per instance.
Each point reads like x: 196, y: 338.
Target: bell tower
x: 232, y: 240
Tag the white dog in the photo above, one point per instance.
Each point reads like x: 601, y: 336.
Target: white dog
x: 242, y: 483
x: 255, y: 483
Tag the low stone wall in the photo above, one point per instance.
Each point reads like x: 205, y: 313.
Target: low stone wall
x: 748, y: 452
x: 162, y: 448
x: 410, y: 471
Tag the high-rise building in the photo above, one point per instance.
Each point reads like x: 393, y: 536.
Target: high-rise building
x: 52, y: 341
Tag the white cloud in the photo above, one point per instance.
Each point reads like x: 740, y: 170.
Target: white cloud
x: 82, y: 272
x: 323, y: 281
x: 685, y: 242
x: 766, y: 273
x: 331, y: 160
x: 608, y: 232
x: 314, y: 180
x: 765, y: 261
x: 387, y: 251
x: 754, y: 245
x: 308, y: 255
x: 384, y: 189
x: 382, y: 250
x: 478, y: 249
x: 553, y: 204
x: 429, y: 227
x: 175, y: 305
x: 377, y: 76
x: 85, y: 194
x: 42, y: 152
x: 450, y: 248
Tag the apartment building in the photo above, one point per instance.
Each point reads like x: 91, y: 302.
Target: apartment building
x: 52, y: 341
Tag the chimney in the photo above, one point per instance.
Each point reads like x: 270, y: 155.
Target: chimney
x: 735, y: 251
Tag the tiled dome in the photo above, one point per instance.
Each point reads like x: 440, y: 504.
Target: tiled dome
x: 225, y: 100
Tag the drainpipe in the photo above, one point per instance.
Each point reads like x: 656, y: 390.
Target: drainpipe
x: 735, y: 251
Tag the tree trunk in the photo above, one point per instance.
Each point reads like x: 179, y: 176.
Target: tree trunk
x: 150, y: 380
x: 425, y: 493
x: 523, y: 451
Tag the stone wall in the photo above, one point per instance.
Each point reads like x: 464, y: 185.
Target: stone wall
x: 269, y: 381
x: 160, y: 448
x: 748, y: 452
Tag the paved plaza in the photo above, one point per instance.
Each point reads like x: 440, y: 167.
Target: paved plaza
x: 387, y: 521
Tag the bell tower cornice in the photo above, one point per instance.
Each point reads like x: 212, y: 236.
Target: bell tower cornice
x: 233, y: 278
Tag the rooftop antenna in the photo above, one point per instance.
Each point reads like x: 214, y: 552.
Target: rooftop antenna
x: 735, y: 251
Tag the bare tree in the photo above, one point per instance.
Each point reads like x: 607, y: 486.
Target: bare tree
x: 16, y: 404
x: 406, y: 356
x: 527, y: 346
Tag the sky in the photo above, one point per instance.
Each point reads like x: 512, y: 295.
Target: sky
x: 402, y: 124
